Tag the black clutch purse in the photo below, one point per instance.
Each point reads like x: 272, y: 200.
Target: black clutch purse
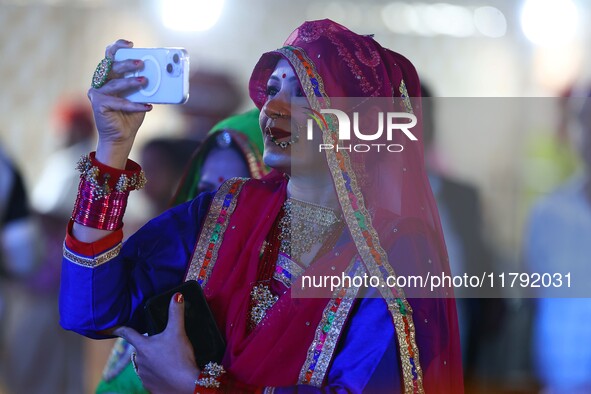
x: 207, y: 340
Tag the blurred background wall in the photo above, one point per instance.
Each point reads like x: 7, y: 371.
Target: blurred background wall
x: 49, y: 49
x: 466, y: 50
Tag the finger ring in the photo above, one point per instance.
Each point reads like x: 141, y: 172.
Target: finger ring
x: 134, y: 363
x: 99, y: 78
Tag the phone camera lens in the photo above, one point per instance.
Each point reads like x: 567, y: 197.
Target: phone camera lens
x: 169, y: 68
x: 176, y: 58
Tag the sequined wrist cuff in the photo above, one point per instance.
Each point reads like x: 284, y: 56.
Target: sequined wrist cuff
x: 107, y: 179
x: 103, y: 192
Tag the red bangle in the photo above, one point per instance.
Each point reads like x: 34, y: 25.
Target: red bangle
x: 103, y: 192
x: 105, y: 213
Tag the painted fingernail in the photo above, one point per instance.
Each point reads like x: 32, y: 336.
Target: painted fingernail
x: 137, y: 62
x: 178, y: 298
x: 140, y: 79
x: 149, y: 107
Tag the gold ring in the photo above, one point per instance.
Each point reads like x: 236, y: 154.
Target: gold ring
x: 99, y: 78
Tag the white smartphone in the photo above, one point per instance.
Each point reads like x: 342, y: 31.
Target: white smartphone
x: 167, y: 72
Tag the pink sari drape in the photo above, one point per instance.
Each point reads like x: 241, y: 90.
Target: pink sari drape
x: 332, y: 62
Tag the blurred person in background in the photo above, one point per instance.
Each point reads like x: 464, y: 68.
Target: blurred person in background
x: 233, y: 148
x: 18, y: 234
x: 163, y: 160
x: 551, y: 149
x: 38, y: 298
x: 461, y: 219
x: 19, y: 255
x: 213, y: 96
x: 37, y: 357
x: 557, y: 241
x: 57, y: 186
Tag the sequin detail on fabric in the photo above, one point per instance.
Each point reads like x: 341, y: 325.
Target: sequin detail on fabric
x: 366, y: 55
x: 406, y: 104
x: 286, y: 270
x: 309, y: 32
x: 91, y: 262
x: 306, y: 71
x: 212, y: 234
x: 262, y: 299
x: 328, y: 331
x: 359, y: 220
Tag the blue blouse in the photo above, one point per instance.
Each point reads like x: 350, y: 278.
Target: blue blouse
x: 109, y: 289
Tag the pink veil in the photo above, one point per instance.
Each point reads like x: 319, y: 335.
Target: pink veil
x: 386, y: 199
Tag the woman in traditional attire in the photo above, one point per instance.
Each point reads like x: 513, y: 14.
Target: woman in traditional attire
x: 233, y: 147
x: 251, y: 244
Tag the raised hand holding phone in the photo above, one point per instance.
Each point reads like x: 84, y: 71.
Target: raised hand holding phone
x: 117, y: 118
x: 166, y: 71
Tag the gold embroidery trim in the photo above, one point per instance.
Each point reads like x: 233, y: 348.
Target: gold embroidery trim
x: 208, y: 227
x: 253, y: 159
x: 330, y: 136
x: 374, y: 270
x: 332, y: 337
x: 91, y: 262
x: 303, y: 77
x: 290, y: 266
x: 262, y: 300
x: 405, y: 99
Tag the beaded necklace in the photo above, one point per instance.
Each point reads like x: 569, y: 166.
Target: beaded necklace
x: 298, y: 226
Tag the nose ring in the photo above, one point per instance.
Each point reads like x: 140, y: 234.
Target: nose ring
x: 282, y: 144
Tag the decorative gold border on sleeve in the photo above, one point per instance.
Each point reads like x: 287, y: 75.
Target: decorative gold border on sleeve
x: 91, y: 262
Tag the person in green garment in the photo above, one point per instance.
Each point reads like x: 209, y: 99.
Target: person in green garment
x: 233, y: 147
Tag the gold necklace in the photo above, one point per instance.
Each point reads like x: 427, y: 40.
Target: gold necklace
x: 304, y: 225
x: 300, y: 225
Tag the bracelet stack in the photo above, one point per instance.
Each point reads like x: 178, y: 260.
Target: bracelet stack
x: 103, y: 192
x: 214, y: 380
x: 210, y: 376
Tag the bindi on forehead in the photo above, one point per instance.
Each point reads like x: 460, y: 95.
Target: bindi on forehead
x: 284, y: 75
